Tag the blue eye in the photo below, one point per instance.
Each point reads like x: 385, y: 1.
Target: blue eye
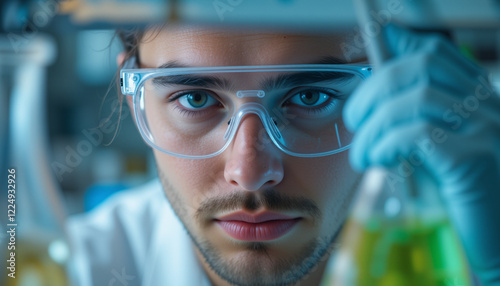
x: 309, y: 98
x: 196, y: 99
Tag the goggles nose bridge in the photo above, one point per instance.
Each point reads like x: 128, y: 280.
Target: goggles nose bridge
x: 250, y: 93
x: 267, y: 121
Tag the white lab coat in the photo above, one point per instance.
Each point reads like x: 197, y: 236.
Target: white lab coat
x: 133, y: 238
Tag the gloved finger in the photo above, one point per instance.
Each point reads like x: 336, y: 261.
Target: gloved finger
x: 401, y: 42
x: 401, y: 145
x: 470, y: 189
x: 398, y: 76
x: 471, y: 194
x: 422, y: 103
x: 486, y: 101
x: 475, y: 214
x: 447, y: 155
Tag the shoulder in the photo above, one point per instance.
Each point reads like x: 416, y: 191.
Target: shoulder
x: 117, y: 234
x: 126, y: 207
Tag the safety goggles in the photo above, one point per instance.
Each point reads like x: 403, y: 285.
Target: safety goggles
x: 196, y: 112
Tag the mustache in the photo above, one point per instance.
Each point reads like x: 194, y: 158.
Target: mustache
x: 270, y: 199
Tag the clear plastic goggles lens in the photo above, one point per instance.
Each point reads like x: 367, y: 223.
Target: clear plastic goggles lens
x: 197, y: 115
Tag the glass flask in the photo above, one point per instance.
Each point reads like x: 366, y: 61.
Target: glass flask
x: 398, y: 233
x: 39, y: 261
x: 33, y: 248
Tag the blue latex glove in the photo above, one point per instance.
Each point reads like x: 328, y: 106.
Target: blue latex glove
x: 435, y: 108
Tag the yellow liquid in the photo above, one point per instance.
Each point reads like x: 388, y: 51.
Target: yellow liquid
x: 400, y: 254
x: 35, y: 267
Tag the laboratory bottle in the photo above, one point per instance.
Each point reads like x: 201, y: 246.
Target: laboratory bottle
x: 36, y: 251
x: 33, y: 248
x: 40, y: 260
x: 398, y: 234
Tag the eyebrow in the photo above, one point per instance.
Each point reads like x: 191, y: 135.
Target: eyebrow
x: 280, y: 81
x: 194, y: 80
x: 304, y: 78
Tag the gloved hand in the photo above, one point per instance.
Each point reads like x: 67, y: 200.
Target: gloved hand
x: 430, y: 106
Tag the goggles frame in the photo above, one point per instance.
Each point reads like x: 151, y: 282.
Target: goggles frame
x: 132, y: 78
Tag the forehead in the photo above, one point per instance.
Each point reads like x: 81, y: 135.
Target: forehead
x: 197, y: 46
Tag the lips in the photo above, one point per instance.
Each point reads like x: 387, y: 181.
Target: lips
x: 261, y: 227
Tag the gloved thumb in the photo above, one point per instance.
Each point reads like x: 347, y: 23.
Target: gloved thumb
x: 402, y: 41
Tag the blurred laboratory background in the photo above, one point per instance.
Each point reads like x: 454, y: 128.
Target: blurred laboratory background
x: 63, y: 128
x: 70, y: 137
x: 96, y: 149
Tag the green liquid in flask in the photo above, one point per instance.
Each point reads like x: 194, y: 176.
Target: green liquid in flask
x: 415, y: 253
x: 397, y: 238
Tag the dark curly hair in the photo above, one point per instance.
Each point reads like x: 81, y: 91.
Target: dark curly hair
x: 130, y: 38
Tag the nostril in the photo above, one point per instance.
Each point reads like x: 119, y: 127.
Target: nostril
x: 271, y: 182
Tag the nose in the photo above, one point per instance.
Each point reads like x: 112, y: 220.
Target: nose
x: 253, y: 161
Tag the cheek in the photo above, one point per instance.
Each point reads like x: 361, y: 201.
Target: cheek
x: 190, y: 179
x: 329, y: 181
x: 323, y: 176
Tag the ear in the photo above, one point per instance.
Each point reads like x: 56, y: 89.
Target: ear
x: 128, y: 98
x: 130, y: 104
x: 120, y: 58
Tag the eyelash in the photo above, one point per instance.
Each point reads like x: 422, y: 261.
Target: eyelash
x: 328, y: 105
x: 191, y: 113
x: 188, y: 113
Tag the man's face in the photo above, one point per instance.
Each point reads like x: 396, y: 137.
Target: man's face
x: 298, y: 204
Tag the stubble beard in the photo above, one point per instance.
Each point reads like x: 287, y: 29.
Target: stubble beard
x: 259, y: 268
